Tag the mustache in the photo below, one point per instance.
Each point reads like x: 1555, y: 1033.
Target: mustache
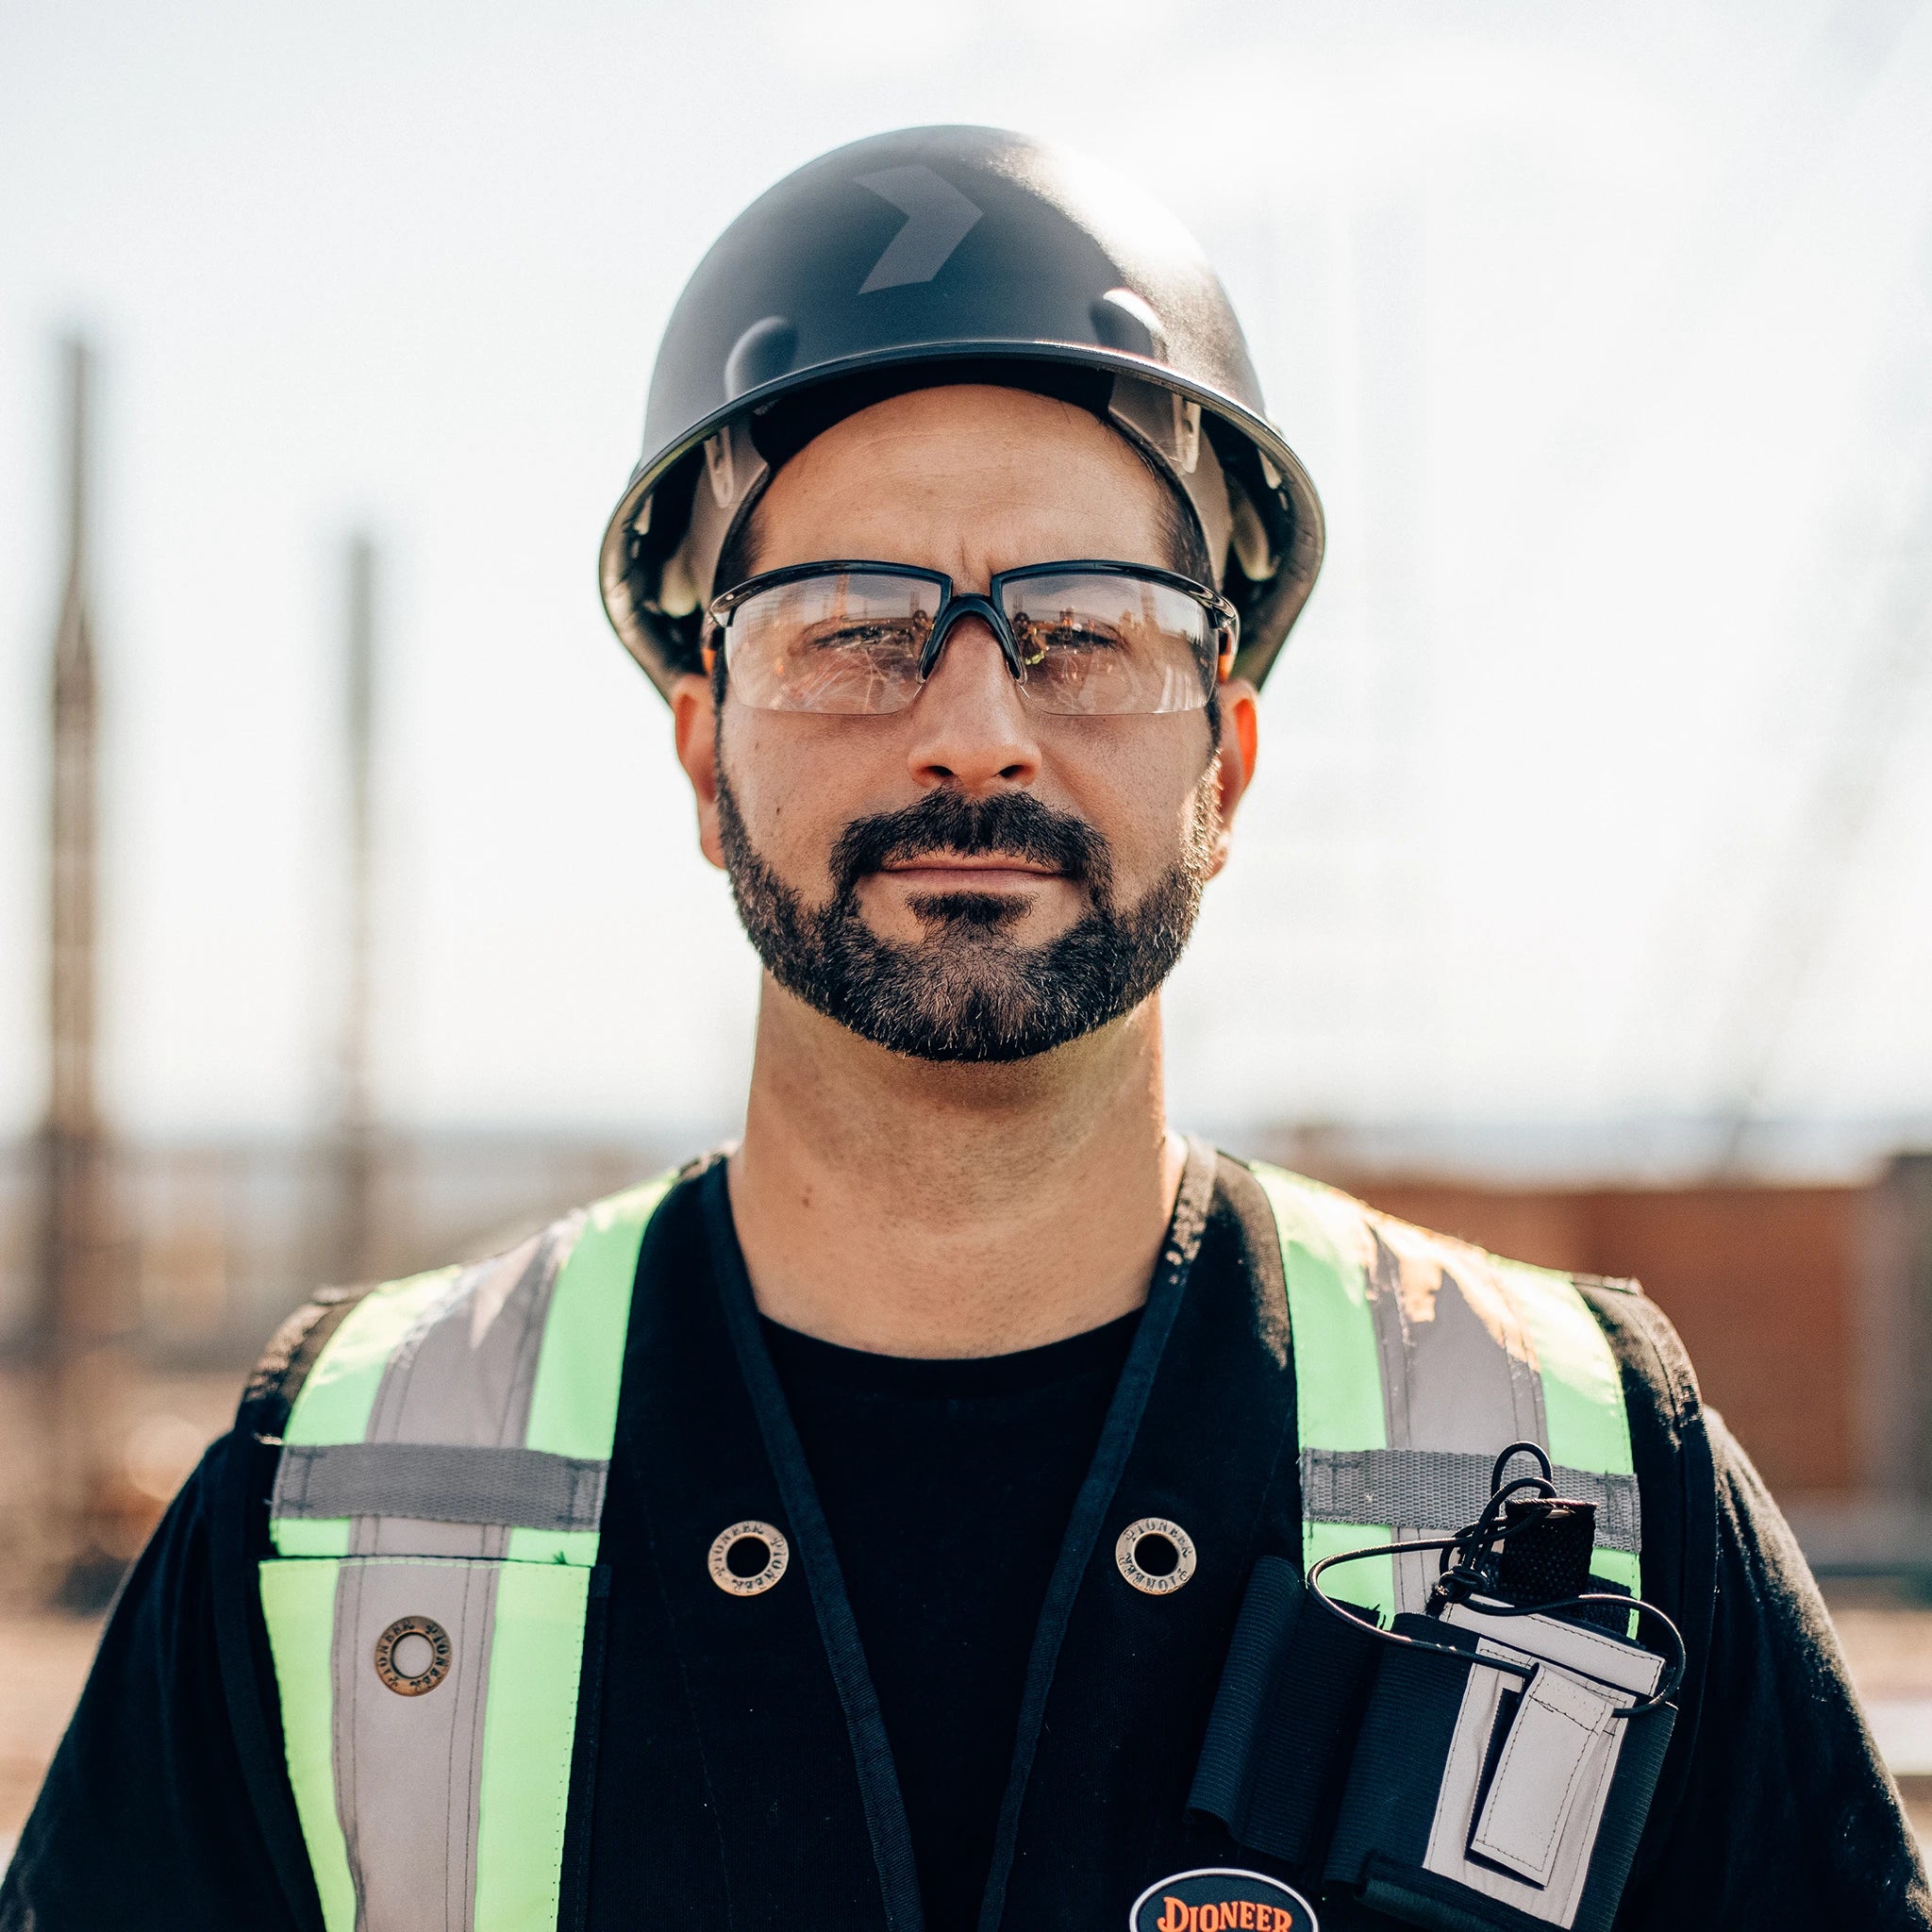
x: 1011, y: 822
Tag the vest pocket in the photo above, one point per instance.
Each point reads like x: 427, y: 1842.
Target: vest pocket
x: 429, y: 1713
x: 1481, y: 1796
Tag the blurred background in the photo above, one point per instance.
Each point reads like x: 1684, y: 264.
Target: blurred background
x: 350, y: 913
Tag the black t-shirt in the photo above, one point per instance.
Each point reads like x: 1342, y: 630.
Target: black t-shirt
x: 947, y: 1486
x: 166, y: 1806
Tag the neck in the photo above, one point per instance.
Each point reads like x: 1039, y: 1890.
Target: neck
x: 922, y: 1208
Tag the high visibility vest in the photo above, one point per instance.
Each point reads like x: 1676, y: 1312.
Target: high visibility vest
x: 439, y: 1490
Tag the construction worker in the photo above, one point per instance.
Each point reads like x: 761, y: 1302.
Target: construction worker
x: 965, y: 1503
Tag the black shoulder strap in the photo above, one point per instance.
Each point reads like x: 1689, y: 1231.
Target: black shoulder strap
x: 1678, y: 1485
x: 240, y: 1473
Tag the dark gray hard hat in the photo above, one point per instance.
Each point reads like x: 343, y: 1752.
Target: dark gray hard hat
x: 949, y: 255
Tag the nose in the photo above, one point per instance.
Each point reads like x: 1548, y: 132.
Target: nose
x: 970, y: 729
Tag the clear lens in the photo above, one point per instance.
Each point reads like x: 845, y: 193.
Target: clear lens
x: 847, y: 644
x: 850, y: 643
x: 1110, y: 645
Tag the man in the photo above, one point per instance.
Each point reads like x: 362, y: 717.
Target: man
x: 903, y: 1519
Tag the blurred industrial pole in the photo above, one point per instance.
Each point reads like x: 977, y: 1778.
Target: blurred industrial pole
x: 78, y: 1316
x: 352, y: 1242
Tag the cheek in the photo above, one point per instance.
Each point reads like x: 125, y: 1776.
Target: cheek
x: 799, y: 782
x: 1137, y: 786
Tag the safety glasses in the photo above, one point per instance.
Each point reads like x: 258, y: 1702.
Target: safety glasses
x: 1082, y: 639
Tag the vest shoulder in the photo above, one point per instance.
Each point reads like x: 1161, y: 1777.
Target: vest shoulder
x: 1324, y: 1210
x: 1342, y: 1228
x: 283, y: 1363
x: 294, y: 1350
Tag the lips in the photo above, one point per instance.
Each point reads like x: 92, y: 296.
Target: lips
x: 990, y: 866
x: 946, y: 832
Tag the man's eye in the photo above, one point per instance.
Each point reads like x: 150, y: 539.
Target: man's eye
x: 861, y: 637
x: 1037, y: 637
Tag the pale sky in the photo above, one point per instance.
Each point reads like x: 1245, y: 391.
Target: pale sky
x: 1595, y: 782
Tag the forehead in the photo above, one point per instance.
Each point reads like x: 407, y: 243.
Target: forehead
x: 970, y: 479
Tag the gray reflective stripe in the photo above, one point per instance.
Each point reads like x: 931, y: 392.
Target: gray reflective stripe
x: 1458, y: 1374
x: 1458, y: 1366
x: 409, y: 1783
x: 438, y: 1482
x: 1440, y: 1489
x: 408, y: 1770
x: 465, y: 1372
x: 463, y: 1377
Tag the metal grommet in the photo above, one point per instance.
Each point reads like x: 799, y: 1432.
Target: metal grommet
x: 1154, y: 1555
x: 744, y: 1542
x: 413, y: 1656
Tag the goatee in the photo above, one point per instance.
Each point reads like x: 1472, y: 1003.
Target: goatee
x: 969, y: 990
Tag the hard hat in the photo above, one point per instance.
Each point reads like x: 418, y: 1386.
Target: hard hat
x: 950, y: 255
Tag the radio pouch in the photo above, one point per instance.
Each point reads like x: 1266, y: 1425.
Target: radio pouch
x: 1481, y: 1796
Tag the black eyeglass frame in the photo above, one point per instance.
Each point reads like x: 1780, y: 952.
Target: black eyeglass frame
x: 955, y: 604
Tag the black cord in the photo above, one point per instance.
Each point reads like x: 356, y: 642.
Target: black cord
x: 1459, y: 1581
x: 1355, y: 1623
x: 1667, y: 1687
x: 1509, y: 1455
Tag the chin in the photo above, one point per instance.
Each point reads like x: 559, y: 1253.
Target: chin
x: 1005, y: 913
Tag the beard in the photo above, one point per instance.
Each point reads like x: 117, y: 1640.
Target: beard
x: 969, y: 990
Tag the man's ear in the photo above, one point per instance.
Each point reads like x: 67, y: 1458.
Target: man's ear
x: 694, y: 724
x: 1241, y: 731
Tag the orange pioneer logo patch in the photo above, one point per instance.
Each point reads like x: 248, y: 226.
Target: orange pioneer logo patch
x: 1220, y: 1900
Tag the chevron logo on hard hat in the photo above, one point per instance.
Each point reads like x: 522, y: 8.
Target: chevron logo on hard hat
x: 938, y: 219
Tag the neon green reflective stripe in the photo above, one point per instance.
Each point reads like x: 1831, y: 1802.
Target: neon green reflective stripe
x: 529, y: 1727
x: 322, y: 1536
x: 577, y: 1546
x: 1371, y: 1583
x: 298, y: 1603
x: 574, y: 1404
x: 1583, y: 1391
x: 1619, y: 1566
x: 1338, y: 1373
x: 1337, y: 1367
